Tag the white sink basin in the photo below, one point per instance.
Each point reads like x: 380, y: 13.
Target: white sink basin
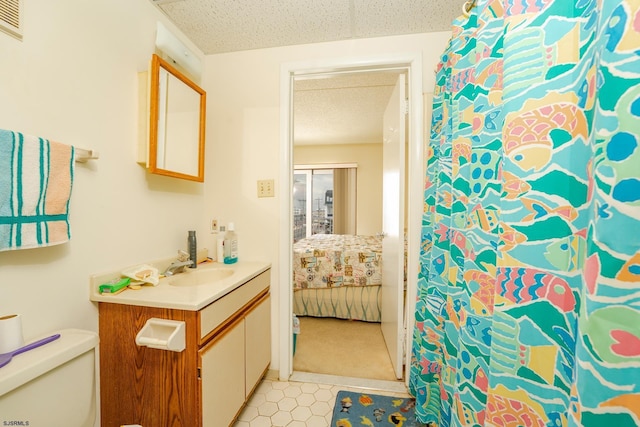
x: 200, y: 276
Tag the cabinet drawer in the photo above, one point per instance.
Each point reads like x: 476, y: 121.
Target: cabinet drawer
x: 215, y: 314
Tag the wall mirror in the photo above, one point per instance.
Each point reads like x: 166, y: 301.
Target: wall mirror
x: 177, y: 123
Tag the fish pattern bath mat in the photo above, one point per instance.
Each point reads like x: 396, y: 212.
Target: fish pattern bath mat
x: 363, y: 409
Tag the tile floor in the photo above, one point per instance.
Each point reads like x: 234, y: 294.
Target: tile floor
x: 306, y: 400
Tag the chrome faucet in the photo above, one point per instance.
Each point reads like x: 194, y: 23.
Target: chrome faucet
x: 177, y: 267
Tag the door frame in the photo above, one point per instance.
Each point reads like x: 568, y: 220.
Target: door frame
x: 412, y: 62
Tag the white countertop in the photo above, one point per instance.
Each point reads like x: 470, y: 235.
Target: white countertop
x: 165, y: 295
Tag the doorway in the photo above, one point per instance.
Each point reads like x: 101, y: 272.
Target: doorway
x: 411, y: 64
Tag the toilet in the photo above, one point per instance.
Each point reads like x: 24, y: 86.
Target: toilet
x: 52, y: 385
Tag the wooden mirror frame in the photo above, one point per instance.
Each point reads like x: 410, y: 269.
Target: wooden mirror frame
x: 156, y: 64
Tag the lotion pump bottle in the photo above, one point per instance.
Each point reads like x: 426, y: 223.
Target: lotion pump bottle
x: 230, y: 245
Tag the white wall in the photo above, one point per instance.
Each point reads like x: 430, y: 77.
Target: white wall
x: 74, y: 79
x: 243, y: 125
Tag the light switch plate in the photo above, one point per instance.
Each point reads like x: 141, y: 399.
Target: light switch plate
x: 265, y: 188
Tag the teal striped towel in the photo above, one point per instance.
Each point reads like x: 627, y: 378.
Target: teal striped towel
x: 36, y: 177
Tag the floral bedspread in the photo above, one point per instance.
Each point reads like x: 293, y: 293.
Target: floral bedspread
x: 332, y: 260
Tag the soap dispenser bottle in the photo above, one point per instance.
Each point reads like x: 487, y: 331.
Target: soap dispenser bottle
x: 193, y: 249
x: 230, y: 245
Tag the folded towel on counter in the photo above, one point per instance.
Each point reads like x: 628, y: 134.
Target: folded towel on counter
x: 36, y: 177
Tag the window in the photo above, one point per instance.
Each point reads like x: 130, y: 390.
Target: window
x: 313, y: 201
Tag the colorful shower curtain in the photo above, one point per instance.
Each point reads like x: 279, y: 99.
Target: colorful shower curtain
x: 528, y: 305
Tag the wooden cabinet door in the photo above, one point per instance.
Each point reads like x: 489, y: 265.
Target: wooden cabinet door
x: 257, y: 342
x: 222, y: 377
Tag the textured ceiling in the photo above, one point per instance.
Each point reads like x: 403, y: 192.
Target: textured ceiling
x: 336, y: 110
x: 345, y: 109
x: 218, y: 26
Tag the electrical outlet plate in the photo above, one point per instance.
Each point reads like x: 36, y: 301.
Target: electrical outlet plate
x: 265, y: 188
x: 214, y: 225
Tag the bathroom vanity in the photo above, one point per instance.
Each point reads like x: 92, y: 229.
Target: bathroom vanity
x: 227, y: 349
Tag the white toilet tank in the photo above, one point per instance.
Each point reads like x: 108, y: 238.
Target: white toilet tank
x: 52, y: 385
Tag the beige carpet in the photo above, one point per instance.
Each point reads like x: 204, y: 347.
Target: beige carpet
x: 347, y: 348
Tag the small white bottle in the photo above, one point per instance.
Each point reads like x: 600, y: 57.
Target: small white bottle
x: 220, y: 245
x: 230, y: 245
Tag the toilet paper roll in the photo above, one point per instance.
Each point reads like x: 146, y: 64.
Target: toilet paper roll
x: 10, y: 333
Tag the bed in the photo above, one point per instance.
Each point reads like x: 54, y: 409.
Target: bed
x: 338, y: 276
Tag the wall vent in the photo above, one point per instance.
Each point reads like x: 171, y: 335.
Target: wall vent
x: 11, y: 17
